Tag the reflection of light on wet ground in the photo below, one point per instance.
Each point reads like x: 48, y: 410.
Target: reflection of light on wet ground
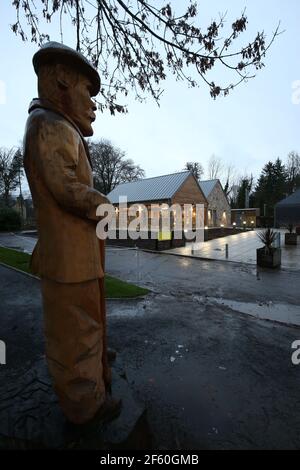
x: 241, y: 249
x: 279, y: 312
x: 124, y: 312
x: 131, y: 310
x: 185, y: 262
x: 283, y: 313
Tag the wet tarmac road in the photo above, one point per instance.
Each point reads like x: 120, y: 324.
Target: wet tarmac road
x: 184, y: 277
x: 210, y: 376
x: 213, y: 377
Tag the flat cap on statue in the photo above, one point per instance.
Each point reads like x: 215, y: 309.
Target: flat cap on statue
x: 55, y: 52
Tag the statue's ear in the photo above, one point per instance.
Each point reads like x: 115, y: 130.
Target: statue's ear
x: 65, y: 76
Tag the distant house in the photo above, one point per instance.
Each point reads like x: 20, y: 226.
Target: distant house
x: 177, y: 188
x: 218, y: 211
x: 247, y: 217
x: 287, y: 211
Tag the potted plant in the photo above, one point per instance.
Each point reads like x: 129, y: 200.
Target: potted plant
x: 291, y: 237
x: 268, y: 256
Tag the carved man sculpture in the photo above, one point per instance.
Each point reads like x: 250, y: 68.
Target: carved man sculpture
x: 68, y: 256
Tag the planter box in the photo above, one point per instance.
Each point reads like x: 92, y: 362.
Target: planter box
x: 268, y: 260
x: 291, y: 238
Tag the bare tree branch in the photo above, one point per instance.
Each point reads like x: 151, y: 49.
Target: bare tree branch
x: 133, y: 43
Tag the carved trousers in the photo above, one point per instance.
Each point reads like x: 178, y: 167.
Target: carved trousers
x: 74, y: 322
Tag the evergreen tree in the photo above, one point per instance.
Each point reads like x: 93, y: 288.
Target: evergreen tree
x: 196, y: 168
x: 271, y: 187
x: 245, y: 186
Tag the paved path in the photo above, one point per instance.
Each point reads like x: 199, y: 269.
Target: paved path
x: 241, y: 248
x: 17, y: 241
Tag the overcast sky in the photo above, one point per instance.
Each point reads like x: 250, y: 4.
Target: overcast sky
x: 256, y: 123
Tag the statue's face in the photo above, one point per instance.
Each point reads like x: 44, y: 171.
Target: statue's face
x: 81, y: 108
x: 69, y: 91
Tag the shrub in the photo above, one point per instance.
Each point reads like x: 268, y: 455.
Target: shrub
x: 290, y: 227
x: 9, y: 219
x: 268, y: 237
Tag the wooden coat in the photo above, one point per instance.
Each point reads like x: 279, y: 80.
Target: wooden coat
x: 59, y: 174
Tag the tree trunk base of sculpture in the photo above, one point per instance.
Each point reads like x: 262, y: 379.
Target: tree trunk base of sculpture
x: 30, y: 417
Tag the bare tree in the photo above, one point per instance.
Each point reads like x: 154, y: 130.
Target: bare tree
x: 225, y: 173
x: 11, y: 164
x: 196, y: 168
x: 215, y: 168
x: 233, y: 197
x: 133, y: 44
x: 110, y: 166
x: 293, y: 171
x: 229, y: 180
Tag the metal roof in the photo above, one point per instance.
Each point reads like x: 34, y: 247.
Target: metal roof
x: 207, y: 186
x: 293, y: 199
x: 149, y: 189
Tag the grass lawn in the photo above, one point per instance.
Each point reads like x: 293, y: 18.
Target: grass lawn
x: 114, y: 287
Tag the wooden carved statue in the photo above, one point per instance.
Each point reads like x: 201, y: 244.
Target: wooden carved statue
x: 68, y: 257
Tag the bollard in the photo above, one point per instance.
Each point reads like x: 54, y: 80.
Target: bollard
x: 226, y: 250
x: 137, y: 254
x: 2, y: 352
x: 278, y: 240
